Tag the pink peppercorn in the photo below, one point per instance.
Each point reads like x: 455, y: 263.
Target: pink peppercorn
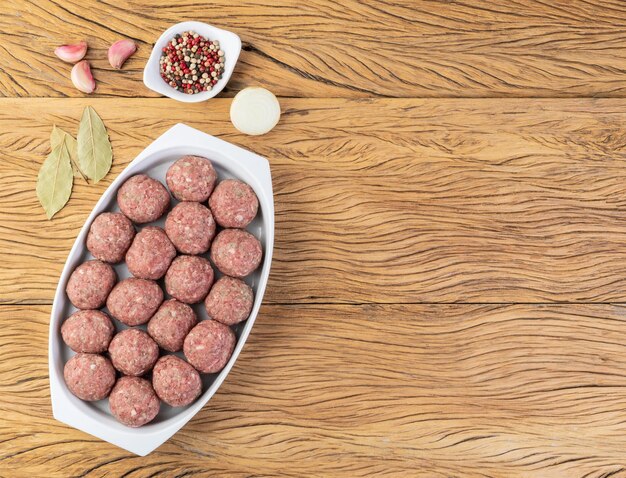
x: 186, y: 59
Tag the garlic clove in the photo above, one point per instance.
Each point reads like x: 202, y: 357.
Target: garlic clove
x: 120, y: 51
x: 72, y: 53
x: 82, y: 77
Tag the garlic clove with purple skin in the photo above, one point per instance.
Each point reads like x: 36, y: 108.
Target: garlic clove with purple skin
x: 82, y: 77
x: 120, y: 51
x: 72, y: 53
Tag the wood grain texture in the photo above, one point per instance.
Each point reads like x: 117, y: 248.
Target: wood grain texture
x: 356, y: 391
x: 405, y: 329
x: 376, y: 200
x: 353, y: 48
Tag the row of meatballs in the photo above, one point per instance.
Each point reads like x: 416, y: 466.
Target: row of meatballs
x: 153, y: 253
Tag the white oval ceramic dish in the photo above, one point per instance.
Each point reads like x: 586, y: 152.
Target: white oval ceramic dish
x: 229, y: 161
x: 229, y: 42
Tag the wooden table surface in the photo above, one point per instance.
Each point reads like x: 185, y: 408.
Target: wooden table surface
x: 448, y: 291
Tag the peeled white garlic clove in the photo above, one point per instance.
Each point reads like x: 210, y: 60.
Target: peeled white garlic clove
x: 72, y: 53
x: 254, y: 111
x: 120, y: 51
x: 82, y: 77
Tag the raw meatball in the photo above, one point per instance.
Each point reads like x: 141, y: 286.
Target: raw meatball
x: 189, y: 279
x: 150, y: 254
x: 88, y: 331
x: 110, y: 236
x: 209, y: 345
x: 191, y: 178
x: 190, y: 227
x: 133, y: 401
x: 143, y: 199
x: 236, y: 253
x: 90, y: 284
x: 171, y: 324
x: 230, y: 301
x: 89, y: 376
x: 233, y: 204
x: 133, y: 352
x: 133, y: 301
x: 175, y: 381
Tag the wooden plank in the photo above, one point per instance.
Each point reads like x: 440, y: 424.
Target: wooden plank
x: 353, y: 48
x: 376, y: 201
x: 415, y: 390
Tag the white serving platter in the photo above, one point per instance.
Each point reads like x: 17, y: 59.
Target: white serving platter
x: 230, y: 161
x: 229, y: 42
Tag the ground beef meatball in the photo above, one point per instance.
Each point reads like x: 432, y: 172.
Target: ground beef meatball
x: 133, y: 352
x: 209, y: 345
x: 191, y: 178
x: 150, y: 254
x: 190, y: 227
x: 171, y: 324
x: 233, y: 204
x: 230, y: 301
x: 88, y: 331
x: 90, y: 284
x: 89, y: 376
x: 175, y: 381
x: 236, y: 253
x: 189, y: 279
x: 143, y: 199
x: 110, y: 236
x: 133, y: 401
x: 133, y: 301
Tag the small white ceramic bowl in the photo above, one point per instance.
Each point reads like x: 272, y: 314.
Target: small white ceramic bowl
x: 229, y: 42
x: 229, y: 161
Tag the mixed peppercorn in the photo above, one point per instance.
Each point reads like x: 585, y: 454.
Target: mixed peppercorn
x: 192, y: 63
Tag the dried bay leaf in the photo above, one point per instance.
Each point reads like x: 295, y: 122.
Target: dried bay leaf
x: 59, y: 136
x: 94, y: 148
x: 54, y: 183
